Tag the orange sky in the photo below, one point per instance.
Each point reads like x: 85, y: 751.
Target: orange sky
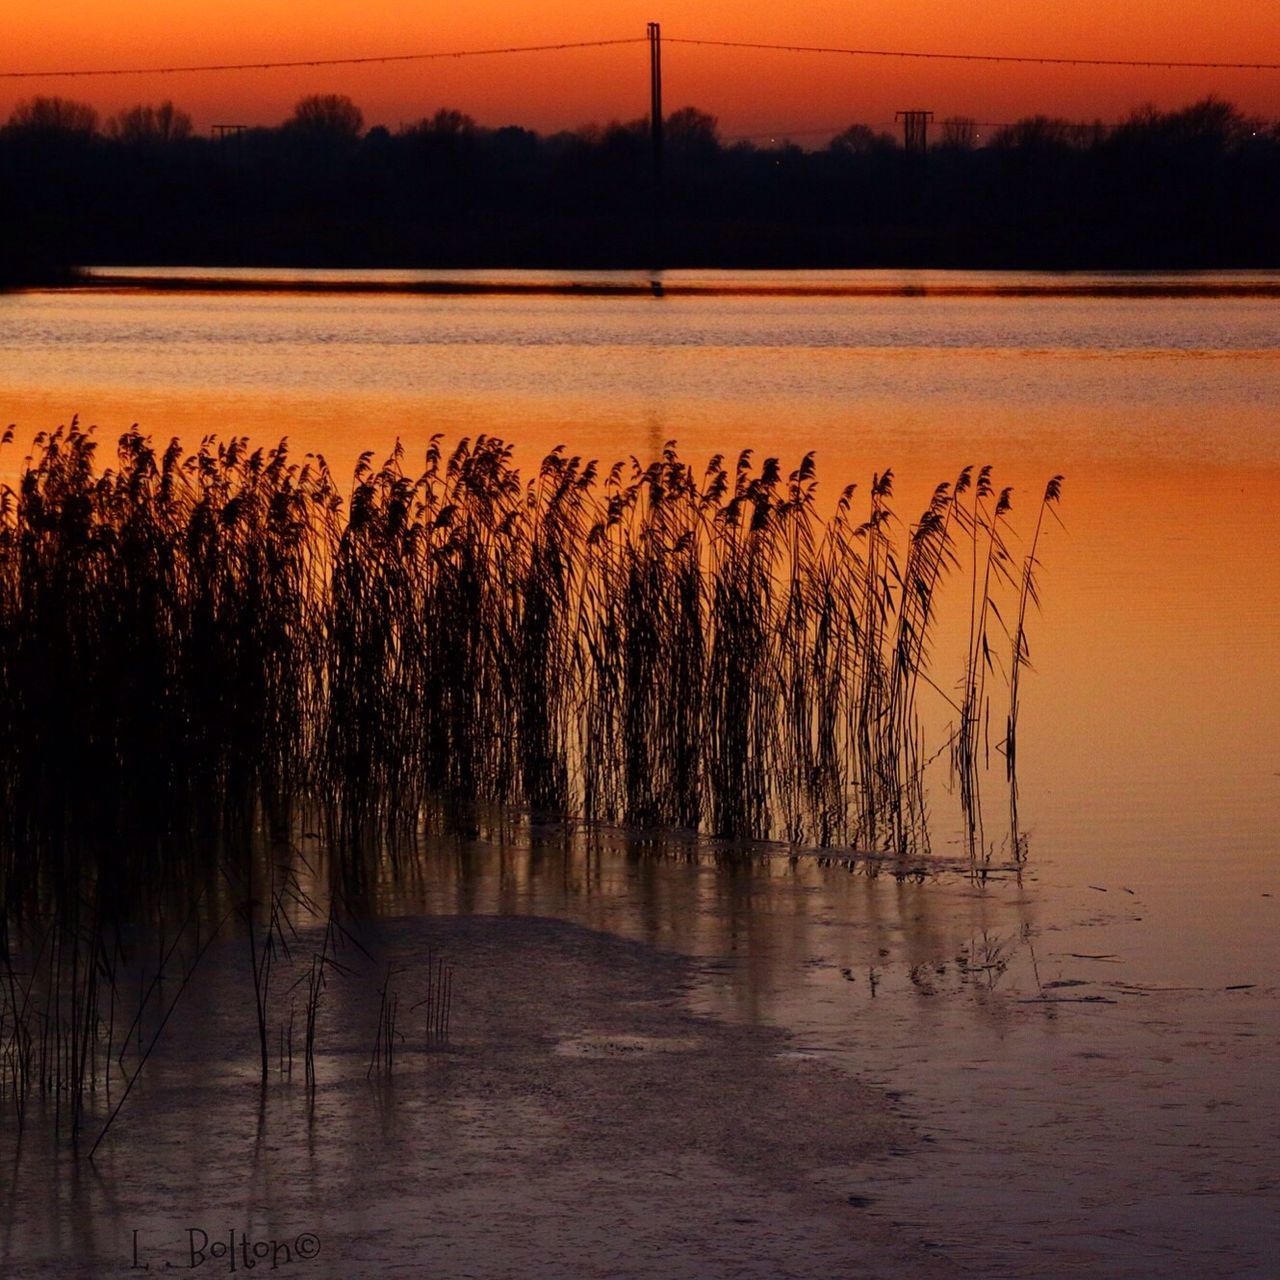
x: 750, y: 92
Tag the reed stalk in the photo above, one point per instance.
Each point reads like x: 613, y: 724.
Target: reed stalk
x: 198, y: 647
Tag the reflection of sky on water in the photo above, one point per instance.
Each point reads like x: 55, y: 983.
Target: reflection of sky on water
x: 1099, y: 1100
x: 1148, y: 757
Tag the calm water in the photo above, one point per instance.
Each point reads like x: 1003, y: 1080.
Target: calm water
x: 1131, y: 1135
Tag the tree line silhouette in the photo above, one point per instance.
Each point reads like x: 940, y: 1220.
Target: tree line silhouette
x: 1193, y: 187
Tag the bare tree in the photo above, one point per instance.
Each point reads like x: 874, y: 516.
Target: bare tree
x: 960, y: 133
x: 1211, y: 124
x: 147, y: 125
x: 447, y: 122
x: 692, y: 134
x: 327, y: 115
x: 861, y: 139
x: 53, y: 115
x: 1037, y: 133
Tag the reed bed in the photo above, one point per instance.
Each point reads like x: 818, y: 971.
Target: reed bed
x: 194, y: 643
x: 197, y: 647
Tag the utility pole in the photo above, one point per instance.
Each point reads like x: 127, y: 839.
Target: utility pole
x: 655, y: 127
x: 915, y: 129
x: 230, y: 138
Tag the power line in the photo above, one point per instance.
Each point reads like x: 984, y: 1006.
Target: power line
x: 1163, y: 63
x: 1158, y: 63
x: 318, y: 62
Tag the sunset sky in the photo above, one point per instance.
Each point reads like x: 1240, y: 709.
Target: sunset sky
x: 751, y: 92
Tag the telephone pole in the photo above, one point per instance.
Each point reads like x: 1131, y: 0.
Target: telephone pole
x: 915, y: 130
x: 230, y: 136
x: 655, y: 128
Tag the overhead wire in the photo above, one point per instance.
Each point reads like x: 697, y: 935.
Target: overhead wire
x: 317, y: 62
x: 1038, y: 59
x: 1161, y: 63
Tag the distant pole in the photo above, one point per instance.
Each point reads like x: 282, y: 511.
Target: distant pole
x: 655, y: 128
x: 231, y: 136
x: 915, y: 130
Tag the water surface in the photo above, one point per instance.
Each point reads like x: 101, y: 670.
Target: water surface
x: 1132, y: 1133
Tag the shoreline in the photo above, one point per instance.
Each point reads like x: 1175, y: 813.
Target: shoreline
x: 652, y: 284
x: 708, y: 282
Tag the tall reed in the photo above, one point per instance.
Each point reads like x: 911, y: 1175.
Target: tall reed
x: 196, y: 647
x: 197, y: 642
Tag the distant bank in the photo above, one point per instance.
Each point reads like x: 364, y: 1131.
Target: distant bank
x: 1196, y: 188
x: 679, y: 283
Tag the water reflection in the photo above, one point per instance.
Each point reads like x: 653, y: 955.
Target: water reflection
x: 204, y: 1144
x: 1007, y: 1000
x: 1100, y: 1099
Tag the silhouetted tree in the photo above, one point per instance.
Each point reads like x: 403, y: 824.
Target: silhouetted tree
x: 53, y: 116
x: 960, y: 133
x: 860, y: 140
x: 691, y: 135
x: 1210, y: 125
x: 446, y: 123
x: 1037, y: 133
x: 326, y: 116
x: 146, y: 125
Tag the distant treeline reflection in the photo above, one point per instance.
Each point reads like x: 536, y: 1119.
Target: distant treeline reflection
x: 1196, y: 187
x: 212, y: 641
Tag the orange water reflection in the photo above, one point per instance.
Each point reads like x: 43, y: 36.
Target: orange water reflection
x: 1155, y: 691
x: 1149, y: 728
x: 1148, y: 745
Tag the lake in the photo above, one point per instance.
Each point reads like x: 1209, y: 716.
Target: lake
x: 1091, y: 1043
